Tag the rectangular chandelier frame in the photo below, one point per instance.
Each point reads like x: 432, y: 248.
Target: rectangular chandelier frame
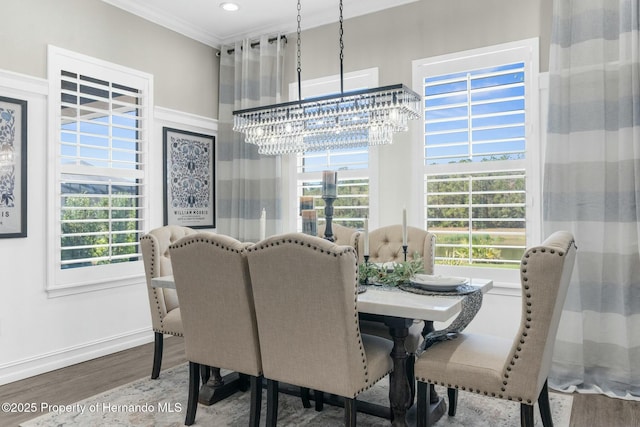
x: 350, y: 119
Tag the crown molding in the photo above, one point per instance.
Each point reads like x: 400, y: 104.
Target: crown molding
x: 168, y: 21
x: 210, y: 38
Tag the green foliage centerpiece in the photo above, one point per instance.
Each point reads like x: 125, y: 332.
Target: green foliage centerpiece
x: 379, y: 274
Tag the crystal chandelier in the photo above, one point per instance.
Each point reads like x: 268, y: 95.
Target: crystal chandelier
x: 360, y: 118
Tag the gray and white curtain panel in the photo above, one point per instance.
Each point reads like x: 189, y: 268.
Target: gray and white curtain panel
x: 251, y: 75
x: 592, y: 188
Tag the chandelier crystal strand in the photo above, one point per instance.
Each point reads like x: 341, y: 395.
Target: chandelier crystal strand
x: 354, y: 119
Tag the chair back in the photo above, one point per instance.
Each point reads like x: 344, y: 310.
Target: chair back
x: 341, y: 234
x: 157, y: 262
x: 305, y: 294
x: 545, y: 272
x: 385, y: 245
x: 213, y: 284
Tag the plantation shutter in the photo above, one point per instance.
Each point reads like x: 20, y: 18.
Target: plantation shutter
x: 474, y: 150
x: 101, y: 175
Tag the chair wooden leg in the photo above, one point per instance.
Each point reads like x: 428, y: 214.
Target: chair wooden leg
x: 545, y: 407
x: 423, y: 405
x: 304, y: 394
x: 272, y: 403
x: 256, y: 401
x: 452, y: 393
x: 157, y: 355
x: 194, y: 386
x: 350, y: 412
x: 319, y: 400
x: 526, y: 415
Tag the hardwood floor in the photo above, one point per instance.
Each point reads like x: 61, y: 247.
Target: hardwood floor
x: 77, y: 382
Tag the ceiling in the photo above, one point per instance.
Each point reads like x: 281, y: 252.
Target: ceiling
x: 205, y: 21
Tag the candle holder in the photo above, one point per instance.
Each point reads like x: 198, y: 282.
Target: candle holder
x: 404, y: 250
x: 366, y: 264
x: 328, y: 214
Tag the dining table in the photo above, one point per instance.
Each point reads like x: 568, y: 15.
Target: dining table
x: 398, y: 307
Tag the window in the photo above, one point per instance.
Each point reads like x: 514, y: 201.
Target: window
x: 356, y: 186
x: 479, y: 154
x: 98, y: 116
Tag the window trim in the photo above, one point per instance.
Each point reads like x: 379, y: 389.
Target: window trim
x: 366, y: 78
x: 523, y: 50
x: 78, y: 280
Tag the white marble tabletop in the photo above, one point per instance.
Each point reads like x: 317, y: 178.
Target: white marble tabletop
x: 392, y: 301
x: 396, y: 302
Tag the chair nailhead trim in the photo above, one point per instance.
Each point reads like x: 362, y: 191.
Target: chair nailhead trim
x: 153, y: 273
x: 523, y: 335
x: 334, y: 253
x: 528, y: 318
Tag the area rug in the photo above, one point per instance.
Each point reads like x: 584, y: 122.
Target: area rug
x: 162, y: 403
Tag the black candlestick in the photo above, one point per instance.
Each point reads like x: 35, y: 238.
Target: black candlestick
x: 366, y: 269
x: 404, y: 250
x: 328, y: 214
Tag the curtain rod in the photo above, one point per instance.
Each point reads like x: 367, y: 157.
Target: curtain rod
x: 257, y: 43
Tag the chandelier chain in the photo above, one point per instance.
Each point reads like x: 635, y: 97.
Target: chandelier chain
x: 358, y: 118
x: 341, y: 51
x: 299, y: 54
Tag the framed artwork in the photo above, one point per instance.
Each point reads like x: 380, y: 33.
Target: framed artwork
x: 13, y: 167
x: 189, y: 178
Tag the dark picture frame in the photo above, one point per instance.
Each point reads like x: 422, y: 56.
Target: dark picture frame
x: 13, y: 167
x: 189, y: 178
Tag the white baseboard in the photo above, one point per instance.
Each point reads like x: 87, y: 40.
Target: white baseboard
x: 25, y: 368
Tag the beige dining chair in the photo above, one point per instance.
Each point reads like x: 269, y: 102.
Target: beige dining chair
x: 341, y: 234
x: 385, y: 245
x: 163, y: 303
x: 305, y: 291
x: 214, y: 287
x: 514, y: 369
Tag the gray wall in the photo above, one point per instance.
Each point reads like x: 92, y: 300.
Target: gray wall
x: 392, y: 38
x: 185, y: 71
x: 39, y: 333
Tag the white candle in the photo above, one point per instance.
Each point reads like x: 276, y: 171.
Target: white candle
x: 263, y: 224
x: 404, y: 226
x: 366, y: 237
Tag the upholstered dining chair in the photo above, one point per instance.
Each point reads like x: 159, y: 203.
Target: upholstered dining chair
x: 305, y: 292
x: 514, y: 369
x: 214, y: 287
x: 341, y: 234
x: 163, y: 303
x: 385, y: 245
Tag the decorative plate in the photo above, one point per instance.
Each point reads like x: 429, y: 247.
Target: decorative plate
x: 437, y: 283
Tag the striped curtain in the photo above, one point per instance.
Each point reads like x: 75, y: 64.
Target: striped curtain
x: 250, y: 76
x: 592, y: 188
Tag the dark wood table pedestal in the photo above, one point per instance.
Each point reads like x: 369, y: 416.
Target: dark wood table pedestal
x: 216, y: 387
x: 401, y: 380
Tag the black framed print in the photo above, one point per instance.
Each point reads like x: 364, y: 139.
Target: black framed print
x: 13, y: 167
x: 189, y: 178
